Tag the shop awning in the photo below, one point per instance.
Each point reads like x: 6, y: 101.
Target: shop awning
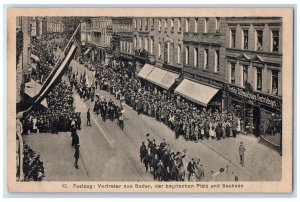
x: 145, y: 71
x: 196, y: 92
x: 87, y: 51
x: 32, y: 88
x: 162, y: 78
x: 36, y: 58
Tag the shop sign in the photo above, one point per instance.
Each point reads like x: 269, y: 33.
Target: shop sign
x: 256, y: 97
x: 204, y: 79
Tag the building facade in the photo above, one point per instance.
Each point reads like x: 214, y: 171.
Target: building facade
x: 204, y: 54
x: 142, y: 44
x: 253, y: 73
x: 55, y: 25
x: 34, y: 26
x: 122, y: 41
x: 167, y: 37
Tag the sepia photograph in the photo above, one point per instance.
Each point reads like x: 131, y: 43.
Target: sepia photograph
x: 146, y: 102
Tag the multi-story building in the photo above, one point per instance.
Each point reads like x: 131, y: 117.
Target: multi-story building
x: 122, y: 40
x: 253, y: 71
x: 161, y: 38
x: 96, y: 36
x: 42, y: 22
x: 55, y: 25
x: 143, y: 44
x: 204, y: 60
x: 34, y: 26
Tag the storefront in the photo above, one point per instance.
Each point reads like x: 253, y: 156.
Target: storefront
x: 160, y: 77
x: 260, y: 114
x: 196, y: 92
x: 217, y: 101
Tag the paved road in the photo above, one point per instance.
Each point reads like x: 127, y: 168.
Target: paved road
x: 108, y: 153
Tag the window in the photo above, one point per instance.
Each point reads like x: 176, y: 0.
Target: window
x: 195, y: 57
x: 135, y: 43
x: 178, y: 54
x: 134, y: 24
x: 196, y: 25
x: 141, y: 24
x: 205, y: 25
x: 275, y: 41
x: 159, y: 50
x: 179, y: 25
x: 168, y: 53
x: 232, y: 38
x: 172, y: 25
x: 159, y: 25
x: 186, y: 55
x: 217, y: 61
x: 146, y: 44
x: 259, y: 78
x: 146, y: 24
x: 259, y: 40
x: 165, y: 24
x: 232, y: 73
x: 274, y: 82
x: 217, y: 24
x: 130, y: 47
x: 140, y: 42
x: 205, y: 59
x: 186, y: 25
x: 245, y: 75
x: 245, y: 39
x: 152, y: 24
x: 151, y: 44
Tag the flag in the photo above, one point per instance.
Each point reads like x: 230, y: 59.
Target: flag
x: 71, y: 41
x: 57, y: 72
x: 56, y: 77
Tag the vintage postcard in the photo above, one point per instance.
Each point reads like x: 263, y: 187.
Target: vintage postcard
x: 187, y: 100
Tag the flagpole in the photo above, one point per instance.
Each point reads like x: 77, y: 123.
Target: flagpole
x: 76, y: 30
x: 64, y: 51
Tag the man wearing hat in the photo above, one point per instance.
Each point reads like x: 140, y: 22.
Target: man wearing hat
x: 88, y: 117
x: 190, y: 169
x: 143, y: 151
x: 76, y: 156
x: 242, y: 150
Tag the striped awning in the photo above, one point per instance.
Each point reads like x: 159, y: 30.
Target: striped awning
x: 145, y: 71
x: 196, y: 92
x: 162, y: 78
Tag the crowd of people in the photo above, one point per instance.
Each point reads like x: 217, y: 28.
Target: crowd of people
x: 107, y: 109
x: 60, y: 113
x: 186, y: 119
x: 161, y: 161
x: 57, y: 117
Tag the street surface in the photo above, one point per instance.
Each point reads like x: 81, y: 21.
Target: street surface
x: 108, y: 153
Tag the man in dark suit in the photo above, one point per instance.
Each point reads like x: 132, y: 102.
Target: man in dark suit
x: 190, y: 169
x: 242, y: 150
x: 143, y: 151
x: 88, y: 117
x: 76, y: 156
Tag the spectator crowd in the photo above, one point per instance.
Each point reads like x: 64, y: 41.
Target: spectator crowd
x: 186, y: 119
